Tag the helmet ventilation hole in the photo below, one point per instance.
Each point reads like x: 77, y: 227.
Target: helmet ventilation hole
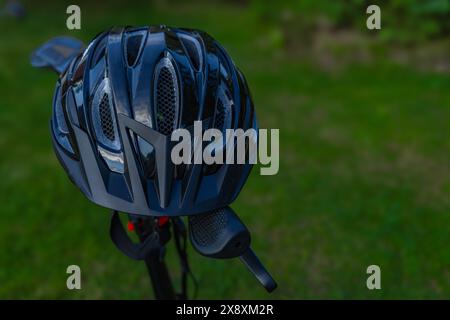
x: 133, y: 46
x: 220, y: 115
x: 166, y: 97
x: 193, y: 50
x: 222, y: 121
x: 103, y: 117
x: 106, y: 118
x: 99, y: 52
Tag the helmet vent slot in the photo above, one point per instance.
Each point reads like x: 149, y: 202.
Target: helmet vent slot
x: 99, y: 52
x: 106, y: 118
x: 103, y: 117
x: 220, y: 114
x: 133, y: 47
x: 222, y: 120
x: 193, y: 50
x: 59, y: 113
x: 166, y: 97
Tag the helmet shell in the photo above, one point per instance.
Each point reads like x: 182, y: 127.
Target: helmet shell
x: 118, y: 102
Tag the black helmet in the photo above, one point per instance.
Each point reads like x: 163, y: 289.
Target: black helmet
x: 118, y: 102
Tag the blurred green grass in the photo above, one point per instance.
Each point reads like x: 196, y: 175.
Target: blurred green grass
x: 364, y: 172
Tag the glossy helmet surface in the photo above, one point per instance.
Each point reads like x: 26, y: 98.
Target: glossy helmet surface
x: 115, y: 108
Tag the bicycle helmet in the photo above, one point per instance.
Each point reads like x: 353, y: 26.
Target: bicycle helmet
x: 117, y: 103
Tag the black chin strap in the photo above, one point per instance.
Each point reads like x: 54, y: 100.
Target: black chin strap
x: 180, y: 235
x: 136, y: 251
x: 139, y: 251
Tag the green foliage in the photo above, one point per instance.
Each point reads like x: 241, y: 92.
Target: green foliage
x: 405, y: 21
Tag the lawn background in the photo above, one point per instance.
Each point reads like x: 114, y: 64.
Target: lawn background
x: 364, y: 156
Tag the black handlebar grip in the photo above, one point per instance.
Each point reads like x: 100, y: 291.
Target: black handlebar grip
x: 221, y: 234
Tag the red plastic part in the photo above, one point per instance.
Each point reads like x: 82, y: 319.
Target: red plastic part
x: 130, y: 226
x: 162, y: 221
